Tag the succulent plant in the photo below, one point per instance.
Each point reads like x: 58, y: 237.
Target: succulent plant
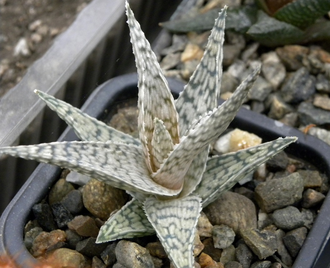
x: 167, y: 171
x: 280, y: 22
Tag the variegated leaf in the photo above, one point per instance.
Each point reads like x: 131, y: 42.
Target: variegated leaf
x: 155, y: 98
x: 203, y: 89
x: 175, y: 224
x: 224, y: 171
x: 161, y: 145
x: 119, y: 165
x: 86, y: 127
x: 202, y: 133
x: 201, y: 95
x: 130, y: 221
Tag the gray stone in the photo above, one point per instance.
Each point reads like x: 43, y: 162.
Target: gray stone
x: 312, y: 178
x: 281, y: 192
x: 89, y: 247
x: 272, y: 69
x: 84, y: 226
x: 262, y: 243
x: 108, y: 255
x: 233, y: 264
x: 234, y: 210
x: 228, y: 254
x: 290, y: 119
x: 223, y: 236
x: 60, y: 189
x: 44, y: 216
x: 77, y: 178
x: 298, y: 87
x: 320, y: 133
x: 312, y: 198
x: 294, y: 240
x: 260, y: 90
x: 230, y: 53
x: 132, y: 255
x: 278, y: 162
x: 281, y: 249
x: 170, y: 61
x: 288, y: 218
x: 278, y: 108
x: 257, y: 106
x: 310, y: 115
x: 244, y: 255
x: 61, y: 215
x: 261, y: 264
x: 322, y: 83
x: 308, y: 217
x: 72, y: 238
x: 30, y: 236
x: 229, y: 83
x: 237, y: 69
x: 73, y: 202
x: 179, y: 42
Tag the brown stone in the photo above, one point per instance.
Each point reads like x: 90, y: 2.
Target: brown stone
x: 64, y: 257
x: 101, y: 199
x: 234, y: 210
x: 84, y: 226
x: 59, y: 191
x: 45, y: 240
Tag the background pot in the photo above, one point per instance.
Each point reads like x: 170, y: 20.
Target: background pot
x: 101, y: 101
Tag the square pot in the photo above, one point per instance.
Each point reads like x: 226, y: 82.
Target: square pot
x: 308, y: 148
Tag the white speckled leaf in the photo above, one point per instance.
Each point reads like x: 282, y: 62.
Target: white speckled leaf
x: 223, y: 172
x: 203, y: 132
x: 175, y: 224
x: 119, y: 165
x: 86, y: 127
x: 155, y: 98
x: 203, y: 90
x: 130, y: 221
x: 201, y: 95
x: 161, y: 145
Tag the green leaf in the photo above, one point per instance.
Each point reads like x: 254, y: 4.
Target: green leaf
x: 175, y: 224
x: 204, y: 132
x: 319, y: 31
x: 271, y: 32
x: 130, y: 221
x: 86, y: 127
x: 238, y: 19
x: 119, y: 165
x: 203, y: 89
x: 155, y: 98
x: 224, y: 171
x: 302, y: 13
x: 200, y: 95
x: 161, y: 143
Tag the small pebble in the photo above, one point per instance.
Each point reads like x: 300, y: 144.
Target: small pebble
x: 261, y: 264
x: 61, y: 215
x: 44, y: 216
x: 60, y: 189
x: 88, y: 247
x: 262, y: 243
x: 84, y: 226
x: 234, y: 210
x: 309, y: 114
x: 281, y: 249
x: 233, y: 264
x: 22, y: 48
x: 288, y: 218
x: 108, y: 255
x: 294, y: 240
x: 204, y: 227
x: 64, y: 257
x: 244, y: 255
x: 223, y: 236
x: 73, y: 202
x: 312, y: 198
x: 132, y: 255
x: 45, y: 240
x: 278, y: 193
x: 101, y: 199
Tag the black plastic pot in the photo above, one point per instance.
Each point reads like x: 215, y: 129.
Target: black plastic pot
x: 310, y: 149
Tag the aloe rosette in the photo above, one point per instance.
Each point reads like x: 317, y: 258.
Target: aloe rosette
x: 167, y: 171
